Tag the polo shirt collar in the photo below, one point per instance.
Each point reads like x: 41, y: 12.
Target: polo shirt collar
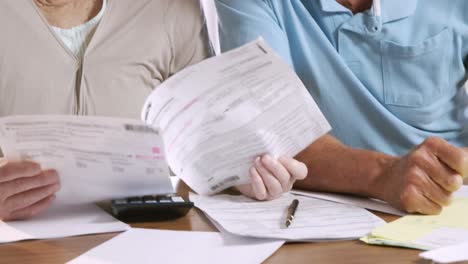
x: 391, y: 9
x: 397, y: 9
x: 332, y: 6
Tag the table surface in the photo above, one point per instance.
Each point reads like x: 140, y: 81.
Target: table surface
x: 62, y: 250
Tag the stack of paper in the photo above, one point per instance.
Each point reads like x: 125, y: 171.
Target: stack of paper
x: 315, y: 219
x: 160, y: 246
x: 425, y: 231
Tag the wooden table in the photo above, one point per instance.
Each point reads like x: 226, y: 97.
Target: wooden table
x: 65, y: 249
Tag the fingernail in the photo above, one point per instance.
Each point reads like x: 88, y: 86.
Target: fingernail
x: 268, y: 159
x: 257, y: 160
x: 251, y: 172
x: 457, y: 181
x: 35, y: 168
x: 57, y: 187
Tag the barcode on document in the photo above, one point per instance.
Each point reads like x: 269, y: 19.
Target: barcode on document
x: 140, y: 129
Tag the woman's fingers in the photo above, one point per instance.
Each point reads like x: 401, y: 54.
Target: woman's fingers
x: 278, y: 171
x: 297, y: 169
x: 18, y: 169
x: 272, y: 184
x: 271, y: 177
x: 32, y: 210
x: 258, y: 187
x: 30, y: 197
x: 20, y: 185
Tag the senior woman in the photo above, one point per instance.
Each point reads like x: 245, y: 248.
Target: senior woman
x: 98, y: 57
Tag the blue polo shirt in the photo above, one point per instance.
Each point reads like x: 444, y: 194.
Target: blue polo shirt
x: 384, y: 82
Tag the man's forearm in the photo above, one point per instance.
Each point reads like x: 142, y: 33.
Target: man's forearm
x: 334, y: 167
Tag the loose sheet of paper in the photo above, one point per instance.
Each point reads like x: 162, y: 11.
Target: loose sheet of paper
x: 97, y: 158
x: 148, y: 246
x: 315, y: 219
x: 450, y: 254
x: 361, y: 202
x: 462, y: 192
x: 371, y: 204
x: 61, y: 220
x: 220, y: 114
x: 425, y: 231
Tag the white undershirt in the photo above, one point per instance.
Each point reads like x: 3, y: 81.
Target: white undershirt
x: 77, y: 38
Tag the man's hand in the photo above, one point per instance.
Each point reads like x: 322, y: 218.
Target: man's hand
x: 25, y: 190
x: 423, y: 181
x: 270, y: 177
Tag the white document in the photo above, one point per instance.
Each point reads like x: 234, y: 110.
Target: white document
x: 96, y: 158
x: 450, y: 254
x: 61, y: 220
x: 216, y: 117
x: 315, y: 219
x: 148, y: 246
x: 362, y: 202
x: 371, y: 204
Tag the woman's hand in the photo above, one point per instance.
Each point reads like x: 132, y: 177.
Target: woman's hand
x: 25, y: 189
x: 269, y: 177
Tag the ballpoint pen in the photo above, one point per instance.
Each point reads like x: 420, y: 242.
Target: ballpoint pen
x: 291, y: 211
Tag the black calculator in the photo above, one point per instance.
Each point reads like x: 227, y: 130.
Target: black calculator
x: 150, y: 208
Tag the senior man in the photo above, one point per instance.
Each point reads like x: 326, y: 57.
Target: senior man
x: 388, y: 75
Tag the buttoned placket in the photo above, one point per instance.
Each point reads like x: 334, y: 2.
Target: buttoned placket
x: 79, y: 108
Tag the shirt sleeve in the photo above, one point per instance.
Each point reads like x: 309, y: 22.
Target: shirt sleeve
x: 185, y: 27
x: 245, y: 21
